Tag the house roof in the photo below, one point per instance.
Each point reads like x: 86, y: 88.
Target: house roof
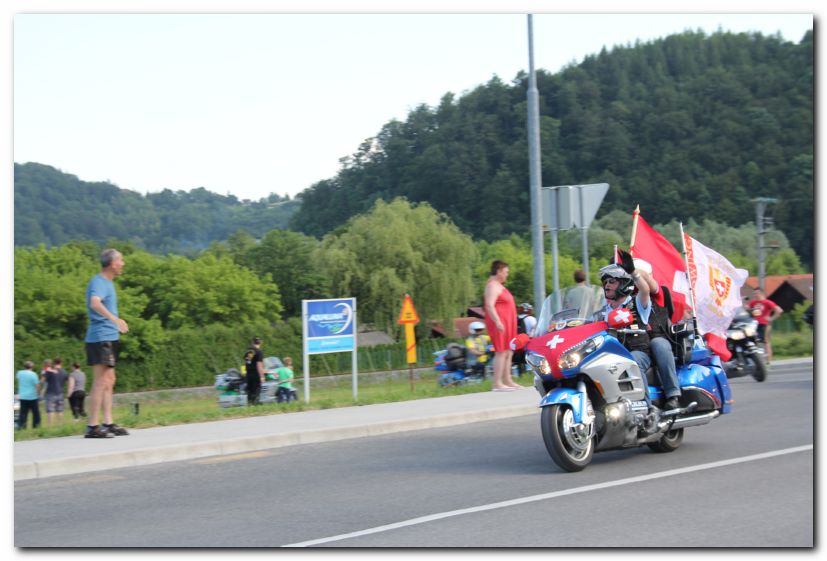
x: 371, y: 338
x: 802, y: 283
x: 460, y: 327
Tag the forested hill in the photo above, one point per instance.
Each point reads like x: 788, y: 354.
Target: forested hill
x: 52, y: 207
x: 692, y: 125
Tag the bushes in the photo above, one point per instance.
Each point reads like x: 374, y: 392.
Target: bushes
x: 191, y: 357
x: 187, y: 357
x: 792, y: 345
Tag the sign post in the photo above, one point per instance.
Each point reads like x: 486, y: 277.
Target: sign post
x: 563, y: 208
x: 409, y: 318
x: 328, y: 326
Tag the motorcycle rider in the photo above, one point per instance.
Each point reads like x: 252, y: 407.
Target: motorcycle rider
x: 619, y: 284
x: 660, y: 346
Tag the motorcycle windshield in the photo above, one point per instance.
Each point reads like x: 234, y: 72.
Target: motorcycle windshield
x: 569, y: 307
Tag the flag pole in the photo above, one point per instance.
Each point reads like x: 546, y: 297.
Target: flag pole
x: 689, y: 281
x: 635, y: 214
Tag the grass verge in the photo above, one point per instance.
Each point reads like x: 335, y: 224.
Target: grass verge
x: 159, y: 412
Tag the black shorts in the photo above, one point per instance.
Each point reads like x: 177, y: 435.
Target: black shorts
x: 762, y: 332
x: 103, y: 352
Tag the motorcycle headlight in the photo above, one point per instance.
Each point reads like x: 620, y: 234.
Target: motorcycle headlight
x: 572, y: 357
x: 735, y: 334
x: 751, y: 328
x: 537, y: 363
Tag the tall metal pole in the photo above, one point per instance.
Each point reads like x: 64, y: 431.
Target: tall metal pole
x: 553, y: 223
x: 760, y: 206
x: 759, y: 223
x: 584, y: 234
x: 535, y: 179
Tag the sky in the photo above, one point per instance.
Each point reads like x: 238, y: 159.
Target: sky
x: 253, y: 104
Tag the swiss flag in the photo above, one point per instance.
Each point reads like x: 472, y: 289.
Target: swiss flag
x: 668, y: 267
x: 717, y: 345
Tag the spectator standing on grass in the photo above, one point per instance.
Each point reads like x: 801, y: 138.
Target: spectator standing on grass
x: 54, y: 379
x: 285, y: 378
x: 254, y: 367
x: 28, y: 390
x: 103, y: 344
x: 576, y: 295
x: 76, y: 391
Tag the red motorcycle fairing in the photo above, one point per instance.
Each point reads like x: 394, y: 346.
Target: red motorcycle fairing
x: 555, y: 343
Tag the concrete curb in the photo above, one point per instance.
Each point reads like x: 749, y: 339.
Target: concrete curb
x: 149, y: 456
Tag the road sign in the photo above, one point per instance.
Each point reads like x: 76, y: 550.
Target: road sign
x: 570, y: 206
x: 408, y: 313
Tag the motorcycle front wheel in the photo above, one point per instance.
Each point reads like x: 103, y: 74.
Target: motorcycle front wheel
x: 569, y: 444
x: 759, y: 369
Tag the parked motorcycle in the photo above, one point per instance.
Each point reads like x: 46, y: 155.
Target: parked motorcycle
x: 453, y: 362
x: 232, y: 386
x: 747, y: 353
x: 592, y: 393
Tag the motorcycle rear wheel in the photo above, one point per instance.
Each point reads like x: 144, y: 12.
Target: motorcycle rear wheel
x: 568, y: 446
x: 670, y: 442
x: 759, y: 369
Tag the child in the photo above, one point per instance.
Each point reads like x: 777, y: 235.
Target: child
x: 285, y: 390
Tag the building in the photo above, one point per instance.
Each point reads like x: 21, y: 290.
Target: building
x: 784, y: 290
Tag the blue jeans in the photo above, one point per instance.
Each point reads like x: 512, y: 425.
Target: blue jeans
x: 644, y: 361
x: 661, y: 350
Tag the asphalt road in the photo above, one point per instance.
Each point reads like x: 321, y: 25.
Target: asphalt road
x: 745, y: 480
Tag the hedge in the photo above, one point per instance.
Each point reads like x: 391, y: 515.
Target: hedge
x: 191, y: 357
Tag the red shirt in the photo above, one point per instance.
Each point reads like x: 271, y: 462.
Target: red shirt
x: 765, y: 308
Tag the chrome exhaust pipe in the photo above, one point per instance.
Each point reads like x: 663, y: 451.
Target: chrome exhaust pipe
x: 693, y: 421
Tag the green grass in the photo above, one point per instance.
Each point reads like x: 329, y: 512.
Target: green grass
x: 159, y: 412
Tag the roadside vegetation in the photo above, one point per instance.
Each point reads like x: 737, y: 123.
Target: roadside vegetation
x: 164, y: 410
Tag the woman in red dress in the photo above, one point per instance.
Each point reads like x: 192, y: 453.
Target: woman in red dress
x: 501, y: 323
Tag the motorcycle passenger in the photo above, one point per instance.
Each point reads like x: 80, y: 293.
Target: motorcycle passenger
x: 619, y: 284
x: 660, y: 346
x: 477, y: 344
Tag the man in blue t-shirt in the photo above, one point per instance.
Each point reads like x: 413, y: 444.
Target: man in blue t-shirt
x: 102, y: 343
x: 28, y: 390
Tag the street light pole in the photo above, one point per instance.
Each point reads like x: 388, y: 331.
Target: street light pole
x: 535, y: 179
x: 760, y: 206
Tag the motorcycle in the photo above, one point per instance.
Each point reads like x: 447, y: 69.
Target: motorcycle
x: 452, y: 362
x: 592, y: 392
x: 747, y: 354
x: 232, y: 386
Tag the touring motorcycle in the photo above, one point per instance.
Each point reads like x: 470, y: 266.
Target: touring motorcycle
x: 593, y: 394
x: 747, y: 353
x: 453, y: 363
x: 232, y: 386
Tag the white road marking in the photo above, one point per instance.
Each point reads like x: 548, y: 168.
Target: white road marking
x: 555, y: 494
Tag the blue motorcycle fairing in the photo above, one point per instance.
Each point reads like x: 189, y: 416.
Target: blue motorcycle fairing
x: 567, y: 396
x: 709, y: 377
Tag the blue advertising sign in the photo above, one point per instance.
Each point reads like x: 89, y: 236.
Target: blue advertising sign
x: 329, y: 325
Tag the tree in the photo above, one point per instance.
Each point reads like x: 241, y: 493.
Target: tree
x: 395, y: 249
x: 213, y: 289
x: 288, y: 259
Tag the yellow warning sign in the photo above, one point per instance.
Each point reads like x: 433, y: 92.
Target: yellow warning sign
x: 408, y: 313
